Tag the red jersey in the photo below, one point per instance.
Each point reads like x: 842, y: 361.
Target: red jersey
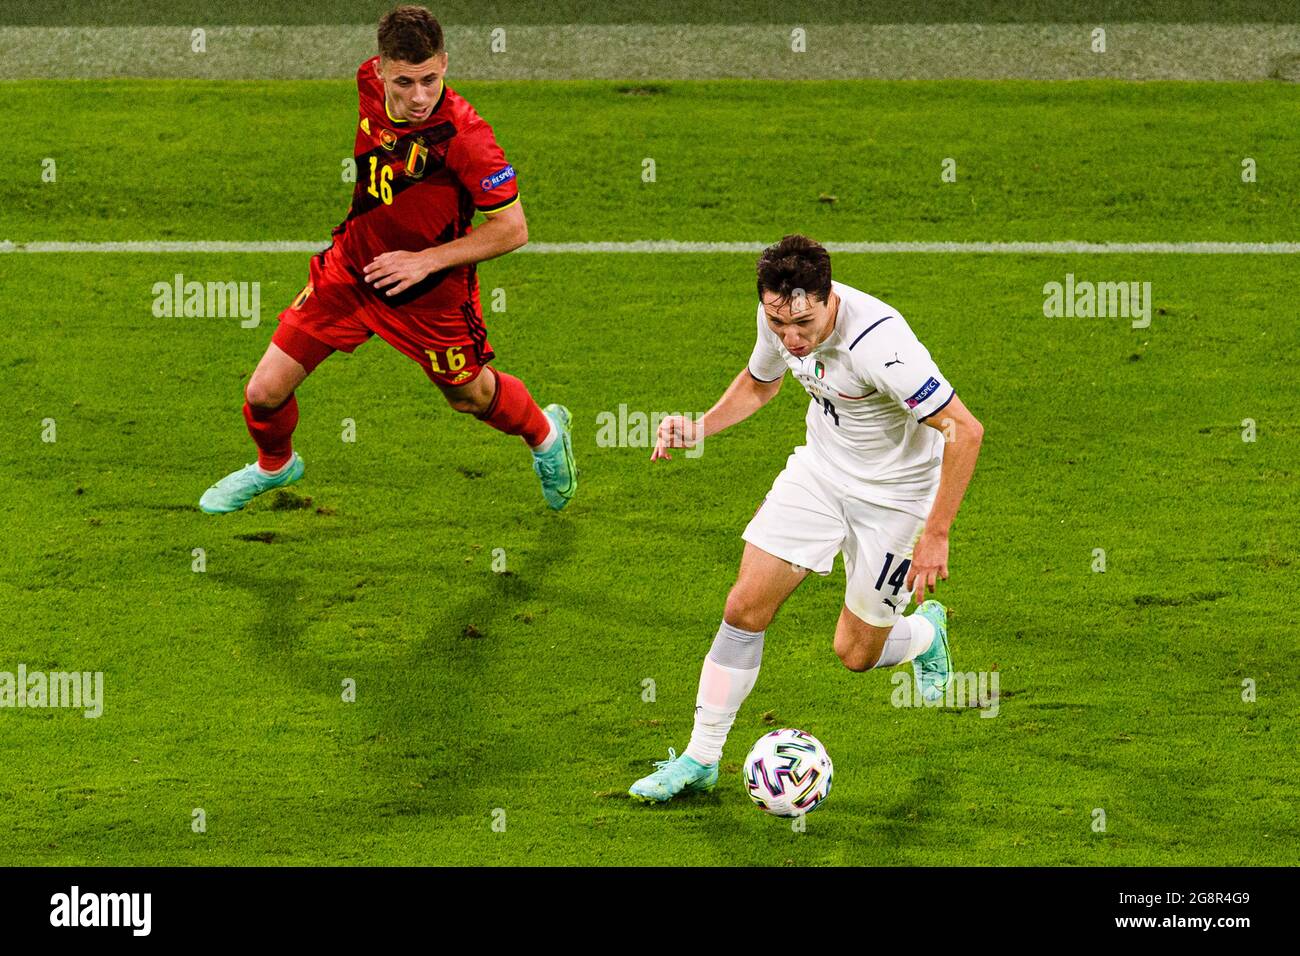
x: 419, y: 185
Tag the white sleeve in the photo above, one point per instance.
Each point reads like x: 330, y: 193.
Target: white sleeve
x: 765, y: 362
x: 891, y: 357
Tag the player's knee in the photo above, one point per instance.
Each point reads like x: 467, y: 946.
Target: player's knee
x: 857, y: 648
x: 746, y: 613
x: 466, y: 403
x: 853, y: 655
x: 260, y: 393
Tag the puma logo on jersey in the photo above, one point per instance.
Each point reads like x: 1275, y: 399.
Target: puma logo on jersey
x: 896, y: 361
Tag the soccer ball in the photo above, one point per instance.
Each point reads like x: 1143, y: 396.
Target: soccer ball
x: 788, y: 773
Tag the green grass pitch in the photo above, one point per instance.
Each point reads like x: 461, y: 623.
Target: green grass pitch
x: 522, y: 692
x: 257, y: 12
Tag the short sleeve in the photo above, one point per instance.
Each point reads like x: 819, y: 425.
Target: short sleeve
x: 897, y: 363
x: 765, y: 362
x: 480, y: 165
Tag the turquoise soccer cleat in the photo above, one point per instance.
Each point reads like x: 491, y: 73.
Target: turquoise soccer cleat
x: 933, y: 669
x: 240, y: 487
x: 675, y: 775
x: 556, y: 467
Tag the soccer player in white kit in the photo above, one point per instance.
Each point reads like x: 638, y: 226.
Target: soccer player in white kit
x: 890, y: 450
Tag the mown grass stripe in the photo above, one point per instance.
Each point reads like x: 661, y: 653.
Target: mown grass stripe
x: 673, y: 247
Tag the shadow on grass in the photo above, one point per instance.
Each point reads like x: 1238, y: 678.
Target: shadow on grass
x: 448, y: 724
x: 434, y: 722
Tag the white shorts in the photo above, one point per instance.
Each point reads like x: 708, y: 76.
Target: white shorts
x: 809, y: 516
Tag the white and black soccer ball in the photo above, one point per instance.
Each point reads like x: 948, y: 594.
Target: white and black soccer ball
x: 788, y: 773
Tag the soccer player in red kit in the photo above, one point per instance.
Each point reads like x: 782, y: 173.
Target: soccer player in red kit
x: 402, y: 266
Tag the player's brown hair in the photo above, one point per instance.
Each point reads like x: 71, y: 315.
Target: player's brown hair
x: 796, y: 262
x: 410, y: 34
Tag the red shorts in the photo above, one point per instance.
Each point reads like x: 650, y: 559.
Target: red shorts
x: 340, y: 310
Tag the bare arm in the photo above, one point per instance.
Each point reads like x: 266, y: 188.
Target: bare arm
x: 964, y: 436
x: 503, y: 232
x: 743, y: 397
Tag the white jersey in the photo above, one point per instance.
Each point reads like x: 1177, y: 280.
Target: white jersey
x: 872, y: 383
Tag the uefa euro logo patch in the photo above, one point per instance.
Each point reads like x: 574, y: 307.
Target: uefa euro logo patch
x: 497, y: 178
x: 924, y: 392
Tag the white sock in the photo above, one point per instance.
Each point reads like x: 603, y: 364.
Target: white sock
x: 723, y: 688
x: 910, y: 637
x: 549, y: 440
x: 279, y: 471
x: 722, y: 691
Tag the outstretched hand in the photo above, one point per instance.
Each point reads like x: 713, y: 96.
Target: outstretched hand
x: 675, y: 431
x: 929, y: 564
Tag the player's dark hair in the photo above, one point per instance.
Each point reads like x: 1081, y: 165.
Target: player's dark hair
x: 410, y: 34
x: 796, y: 262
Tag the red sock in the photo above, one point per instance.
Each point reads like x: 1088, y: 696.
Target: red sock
x: 514, y: 412
x: 272, y: 429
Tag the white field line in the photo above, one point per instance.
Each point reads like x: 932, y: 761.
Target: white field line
x: 1262, y: 52
x: 642, y: 247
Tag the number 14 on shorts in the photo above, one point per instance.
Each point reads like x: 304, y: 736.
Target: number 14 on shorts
x: 898, y: 578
